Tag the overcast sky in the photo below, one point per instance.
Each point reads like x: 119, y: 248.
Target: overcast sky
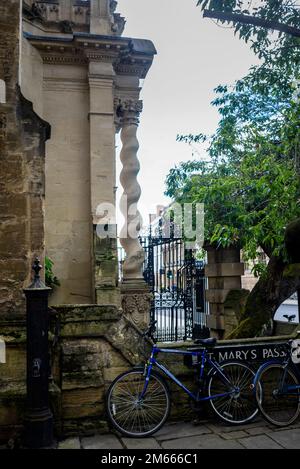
x: 194, y: 56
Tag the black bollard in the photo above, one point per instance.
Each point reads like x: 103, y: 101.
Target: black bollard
x: 38, y: 418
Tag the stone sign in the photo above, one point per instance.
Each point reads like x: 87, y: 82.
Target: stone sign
x: 250, y: 353
x: 255, y: 353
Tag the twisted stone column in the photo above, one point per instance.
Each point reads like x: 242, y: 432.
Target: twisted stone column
x: 128, y: 113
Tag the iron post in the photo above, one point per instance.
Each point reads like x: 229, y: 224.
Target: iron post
x: 39, y: 418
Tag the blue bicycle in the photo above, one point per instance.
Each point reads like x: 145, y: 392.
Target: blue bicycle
x: 277, y: 386
x: 138, y: 401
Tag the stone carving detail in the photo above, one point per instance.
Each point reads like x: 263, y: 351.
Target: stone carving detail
x: 128, y: 115
x: 117, y: 21
x: 78, y: 11
x: 118, y: 24
x: 136, y: 307
x: 40, y: 9
x: 127, y: 111
x: 53, y: 13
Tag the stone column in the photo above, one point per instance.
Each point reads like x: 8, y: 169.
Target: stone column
x: 224, y: 271
x: 135, y: 292
x: 129, y: 111
x: 103, y: 181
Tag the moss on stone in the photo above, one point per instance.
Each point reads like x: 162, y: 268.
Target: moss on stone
x: 243, y: 330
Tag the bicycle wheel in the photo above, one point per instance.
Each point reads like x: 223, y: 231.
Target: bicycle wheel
x: 129, y: 414
x: 240, y: 406
x: 275, y: 403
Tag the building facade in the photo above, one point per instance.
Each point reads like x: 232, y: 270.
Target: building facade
x: 69, y: 82
x: 79, y: 72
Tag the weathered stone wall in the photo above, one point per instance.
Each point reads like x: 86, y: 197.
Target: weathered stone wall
x: 13, y: 266
x: 95, y: 344
x: 22, y: 140
x: 22, y: 149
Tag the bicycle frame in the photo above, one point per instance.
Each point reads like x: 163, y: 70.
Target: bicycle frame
x: 204, y: 359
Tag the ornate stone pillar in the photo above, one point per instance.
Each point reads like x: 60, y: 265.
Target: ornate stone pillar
x: 135, y: 292
x: 128, y: 111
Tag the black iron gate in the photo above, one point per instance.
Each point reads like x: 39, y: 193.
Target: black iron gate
x: 177, y: 282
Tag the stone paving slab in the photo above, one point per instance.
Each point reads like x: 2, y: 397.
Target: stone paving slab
x: 234, y: 435
x: 108, y: 441
x: 170, y: 432
x: 207, y: 435
x: 259, y: 442
x: 202, y: 442
x: 221, y: 427
x: 289, y: 439
x: 257, y: 430
x: 141, y: 443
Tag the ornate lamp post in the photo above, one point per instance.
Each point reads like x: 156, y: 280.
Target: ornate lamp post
x: 39, y: 419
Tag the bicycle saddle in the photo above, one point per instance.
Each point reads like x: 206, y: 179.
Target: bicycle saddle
x: 211, y: 342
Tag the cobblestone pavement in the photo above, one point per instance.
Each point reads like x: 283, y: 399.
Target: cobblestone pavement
x: 204, y: 435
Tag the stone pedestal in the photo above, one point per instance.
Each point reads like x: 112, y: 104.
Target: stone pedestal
x: 136, y: 302
x: 224, y: 271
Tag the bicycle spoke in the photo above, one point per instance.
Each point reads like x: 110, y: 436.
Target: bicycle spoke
x: 239, y: 406
x: 132, y: 414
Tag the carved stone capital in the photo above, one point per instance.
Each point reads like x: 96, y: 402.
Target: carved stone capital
x: 128, y: 111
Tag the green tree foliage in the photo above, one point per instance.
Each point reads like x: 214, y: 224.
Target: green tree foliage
x: 250, y: 185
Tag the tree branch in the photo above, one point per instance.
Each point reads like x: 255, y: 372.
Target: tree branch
x: 247, y: 19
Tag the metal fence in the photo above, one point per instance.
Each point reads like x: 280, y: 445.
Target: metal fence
x: 177, y: 282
